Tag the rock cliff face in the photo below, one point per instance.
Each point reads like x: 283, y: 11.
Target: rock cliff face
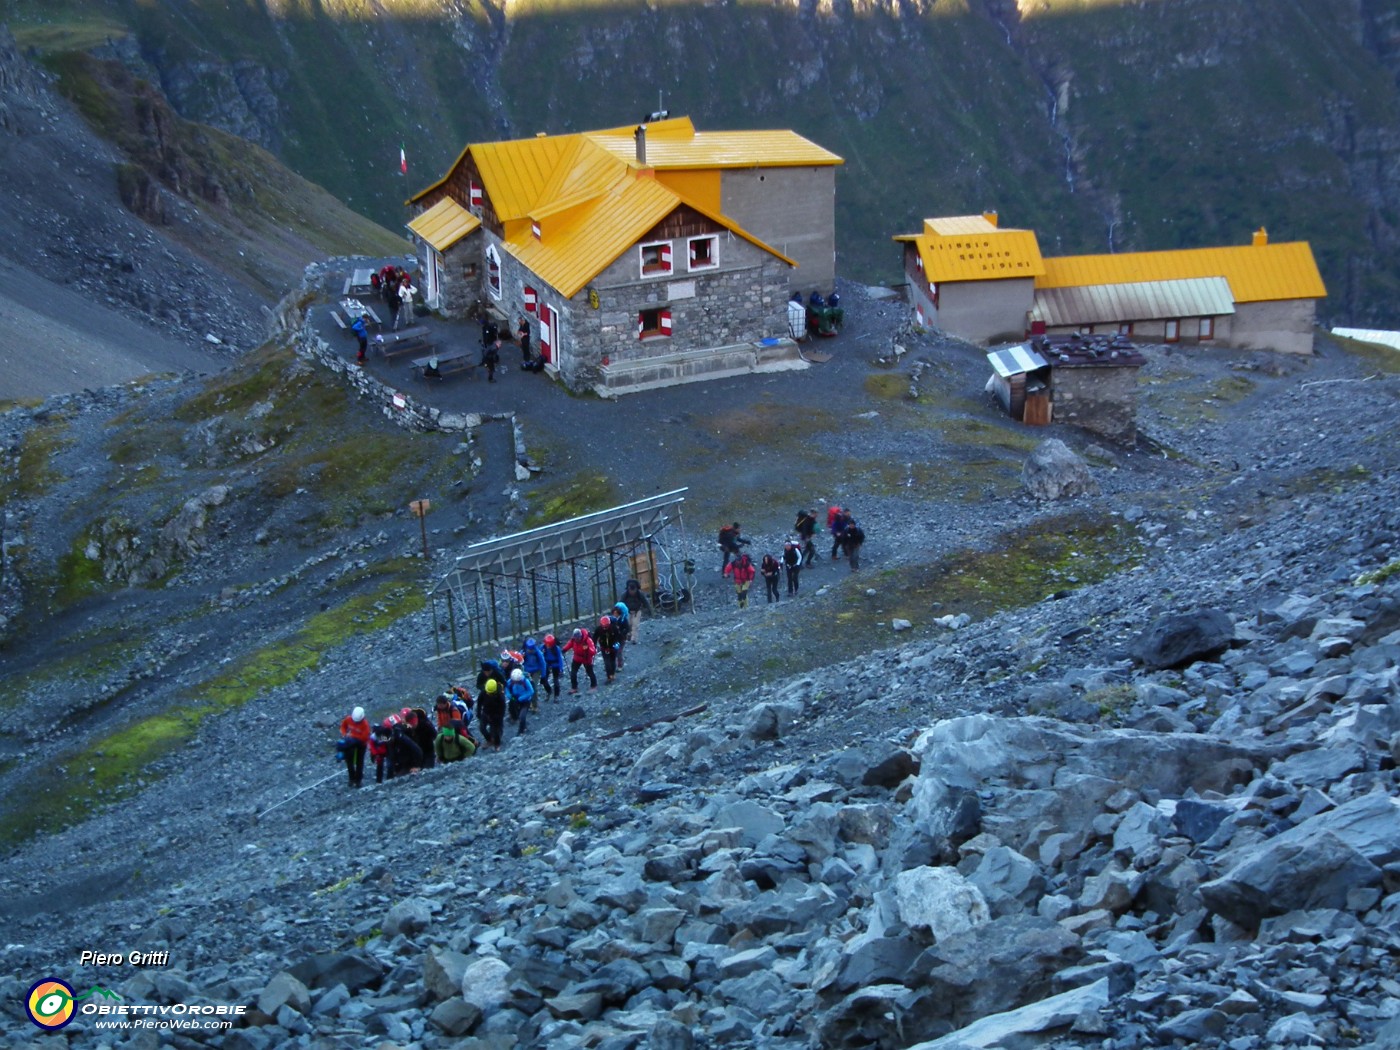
x: 1131, y: 126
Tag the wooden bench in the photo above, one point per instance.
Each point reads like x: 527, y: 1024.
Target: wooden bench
x: 447, y: 364
x: 339, y: 321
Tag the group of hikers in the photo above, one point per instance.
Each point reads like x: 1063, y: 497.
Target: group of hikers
x: 798, y: 552
x: 508, y: 687
x: 491, y: 339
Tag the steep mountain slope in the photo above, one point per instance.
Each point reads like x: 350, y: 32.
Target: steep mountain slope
x: 137, y: 242
x: 1155, y: 124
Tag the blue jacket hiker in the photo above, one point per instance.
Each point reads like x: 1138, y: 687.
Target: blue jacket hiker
x: 520, y: 698
x: 553, y: 658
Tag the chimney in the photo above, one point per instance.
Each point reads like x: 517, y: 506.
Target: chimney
x: 1261, y: 237
x: 990, y: 216
x: 641, y: 136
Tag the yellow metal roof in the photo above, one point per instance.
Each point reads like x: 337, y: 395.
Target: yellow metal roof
x: 1256, y: 272
x: 515, y: 173
x: 444, y: 224
x: 676, y: 144
x: 591, y: 200
x: 970, y: 248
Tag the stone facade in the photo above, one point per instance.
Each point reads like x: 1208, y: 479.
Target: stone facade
x: 1100, y: 398
x: 743, y: 299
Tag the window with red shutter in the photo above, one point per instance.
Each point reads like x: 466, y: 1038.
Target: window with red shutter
x: 529, y: 300
x: 656, y: 259
x: 653, y: 323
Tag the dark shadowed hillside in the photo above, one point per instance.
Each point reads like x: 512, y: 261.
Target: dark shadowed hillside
x: 1102, y: 124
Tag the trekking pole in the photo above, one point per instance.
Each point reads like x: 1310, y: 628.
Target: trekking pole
x: 259, y: 816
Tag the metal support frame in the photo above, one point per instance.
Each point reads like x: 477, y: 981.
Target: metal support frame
x: 495, y: 587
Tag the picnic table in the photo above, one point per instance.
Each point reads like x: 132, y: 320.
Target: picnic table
x: 359, y: 282
x: 355, y: 308
x: 446, y: 364
x: 410, y: 340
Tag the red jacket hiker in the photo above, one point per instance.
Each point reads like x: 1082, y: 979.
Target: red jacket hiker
x: 582, y: 646
x: 742, y: 570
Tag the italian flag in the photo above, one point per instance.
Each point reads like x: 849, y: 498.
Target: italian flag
x: 403, y: 160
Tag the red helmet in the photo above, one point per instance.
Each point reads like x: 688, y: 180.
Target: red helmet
x: 549, y: 639
x: 391, y: 721
x: 604, y: 622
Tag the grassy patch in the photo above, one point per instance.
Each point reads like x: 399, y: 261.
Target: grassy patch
x: 78, y: 575
x: 33, y: 471
x: 888, y: 385
x: 568, y: 499
x: 955, y: 478
x: 1026, y: 565
x: 1335, y: 480
x: 1374, y: 356
x: 111, y: 768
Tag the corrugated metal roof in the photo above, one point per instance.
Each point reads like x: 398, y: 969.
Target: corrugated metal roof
x: 1370, y: 335
x: 444, y: 224
x: 1137, y: 301
x: 958, y: 225
x: 1015, y: 361
x: 1256, y: 272
x: 987, y: 255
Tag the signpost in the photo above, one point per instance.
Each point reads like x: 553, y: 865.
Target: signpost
x: 420, y: 508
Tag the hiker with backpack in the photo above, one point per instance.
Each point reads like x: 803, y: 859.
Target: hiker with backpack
x: 520, y: 695
x: 805, y: 527
x: 852, y: 536
x: 354, y: 741
x: 453, y: 742
x: 491, y: 710
x: 792, y: 563
x: 622, y: 616
x: 730, y: 540
x: 379, y: 747
x: 836, y: 523
x: 770, y: 569
x: 609, y: 639
x: 636, y: 603
x: 553, y: 666
x: 742, y: 570
x: 421, y: 727
x: 405, y: 756
x: 583, y: 650
x: 532, y: 663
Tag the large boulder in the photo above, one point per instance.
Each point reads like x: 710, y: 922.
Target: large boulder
x: 1048, y: 774
x: 1053, y: 471
x: 939, y: 900
x: 1314, y: 865
x: 1046, y: 1015
x: 1181, y: 638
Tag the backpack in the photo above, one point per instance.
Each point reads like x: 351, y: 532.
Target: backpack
x: 854, y: 534
x: 725, y: 534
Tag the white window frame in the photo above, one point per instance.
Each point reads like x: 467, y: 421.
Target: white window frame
x: 667, y: 254
x: 713, y: 264
x: 493, y: 272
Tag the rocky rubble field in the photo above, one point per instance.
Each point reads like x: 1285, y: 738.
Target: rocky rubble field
x: 1179, y: 829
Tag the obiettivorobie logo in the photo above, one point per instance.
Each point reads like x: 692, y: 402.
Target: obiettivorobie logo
x: 50, y: 1002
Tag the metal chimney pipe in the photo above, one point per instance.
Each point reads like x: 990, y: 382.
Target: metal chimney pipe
x: 641, y: 136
